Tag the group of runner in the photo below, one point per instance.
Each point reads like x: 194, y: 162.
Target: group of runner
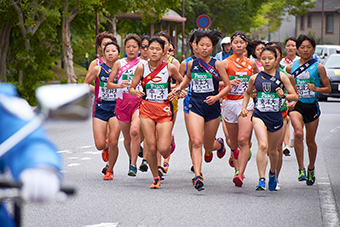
x: 139, y: 96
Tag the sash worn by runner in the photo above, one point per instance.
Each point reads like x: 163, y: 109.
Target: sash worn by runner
x: 242, y: 62
x: 288, y: 60
x: 153, y: 73
x: 127, y: 66
x: 209, y: 69
x: 303, y: 67
x: 273, y: 79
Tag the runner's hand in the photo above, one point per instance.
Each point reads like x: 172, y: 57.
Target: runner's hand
x: 311, y: 87
x: 124, y: 84
x: 210, y: 100
x: 40, y: 184
x: 244, y: 112
x: 279, y: 91
x: 235, y: 82
x: 139, y: 94
x: 291, y: 105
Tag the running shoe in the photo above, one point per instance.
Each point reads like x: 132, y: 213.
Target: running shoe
x: 231, y: 162
x: 192, y: 169
x: 238, y: 180
x: 194, y: 178
x: 286, y: 151
x: 272, y: 181
x: 208, y: 156
x: 221, y: 152
x: 144, y: 166
x: 132, y: 171
x: 302, y: 174
x: 198, y: 183
x: 262, y: 185
x: 250, y: 154
x: 161, y: 172
x: 108, y: 176
x: 140, y: 154
x: 277, y: 186
x: 235, y: 153
x: 156, y: 183
x: 105, y: 169
x: 311, y: 177
x: 165, y: 166
x: 105, y: 152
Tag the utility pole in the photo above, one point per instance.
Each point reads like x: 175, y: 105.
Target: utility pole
x: 322, y: 21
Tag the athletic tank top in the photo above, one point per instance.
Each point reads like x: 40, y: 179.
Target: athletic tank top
x: 310, y: 75
x: 267, y: 98
x: 233, y: 71
x: 157, y: 89
x: 103, y: 93
x: 203, y: 83
x: 123, y: 93
x: 99, y: 60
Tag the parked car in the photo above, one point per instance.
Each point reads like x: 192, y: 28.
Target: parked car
x: 332, y: 65
x: 323, y: 51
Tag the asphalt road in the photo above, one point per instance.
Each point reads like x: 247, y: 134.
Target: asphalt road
x: 128, y: 201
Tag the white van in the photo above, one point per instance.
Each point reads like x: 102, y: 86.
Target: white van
x: 323, y: 51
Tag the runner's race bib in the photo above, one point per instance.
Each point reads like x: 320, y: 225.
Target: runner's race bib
x: 302, y: 81
x: 202, y: 82
x: 157, y: 92
x: 242, y: 86
x: 268, y: 102
x: 105, y: 93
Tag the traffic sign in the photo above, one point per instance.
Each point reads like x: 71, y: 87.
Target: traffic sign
x: 203, y: 21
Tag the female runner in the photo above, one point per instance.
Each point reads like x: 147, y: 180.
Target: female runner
x: 105, y: 123
x: 156, y: 111
x: 308, y: 74
x: 239, y: 70
x: 267, y: 118
x: 127, y: 108
x: 205, y: 73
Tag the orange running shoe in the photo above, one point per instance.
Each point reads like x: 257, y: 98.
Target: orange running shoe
x: 108, y: 176
x: 156, y: 183
x: 105, y: 152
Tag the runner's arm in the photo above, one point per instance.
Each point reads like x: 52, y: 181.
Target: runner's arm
x: 92, y: 65
x: 112, y: 76
x: 324, y: 79
x: 135, y: 81
x: 292, y: 94
x: 247, y: 94
x: 92, y: 74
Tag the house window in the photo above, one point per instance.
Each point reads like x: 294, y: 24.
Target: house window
x: 329, y: 24
x: 302, y: 23
x: 309, y: 21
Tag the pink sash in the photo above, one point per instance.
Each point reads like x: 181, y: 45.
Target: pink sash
x: 127, y: 66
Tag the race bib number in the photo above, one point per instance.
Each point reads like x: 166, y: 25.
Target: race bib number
x: 157, y: 92
x: 202, y: 82
x: 268, y: 102
x: 302, y: 86
x: 242, y: 86
x: 105, y: 93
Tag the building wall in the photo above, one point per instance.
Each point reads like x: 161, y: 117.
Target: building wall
x: 286, y: 30
x: 315, y: 29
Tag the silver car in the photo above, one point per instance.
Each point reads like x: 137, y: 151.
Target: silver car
x: 332, y: 65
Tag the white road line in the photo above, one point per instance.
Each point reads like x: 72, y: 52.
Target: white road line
x: 328, y: 206
x: 103, y: 225
x: 64, y: 151
x: 335, y: 129
x: 72, y: 158
x: 86, y: 158
x: 73, y: 164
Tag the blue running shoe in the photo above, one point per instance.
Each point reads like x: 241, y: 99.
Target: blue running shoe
x: 262, y: 185
x: 221, y: 152
x: 302, y: 174
x: 132, y: 171
x: 310, y: 178
x: 272, y: 181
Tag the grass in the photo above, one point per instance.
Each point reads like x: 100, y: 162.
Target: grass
x: 59, y: 73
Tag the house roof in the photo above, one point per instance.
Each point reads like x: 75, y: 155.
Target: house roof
x: 169, y: 16
x: 329, y: 6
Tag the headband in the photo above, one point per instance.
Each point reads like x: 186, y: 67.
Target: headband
x: 238, y: 35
